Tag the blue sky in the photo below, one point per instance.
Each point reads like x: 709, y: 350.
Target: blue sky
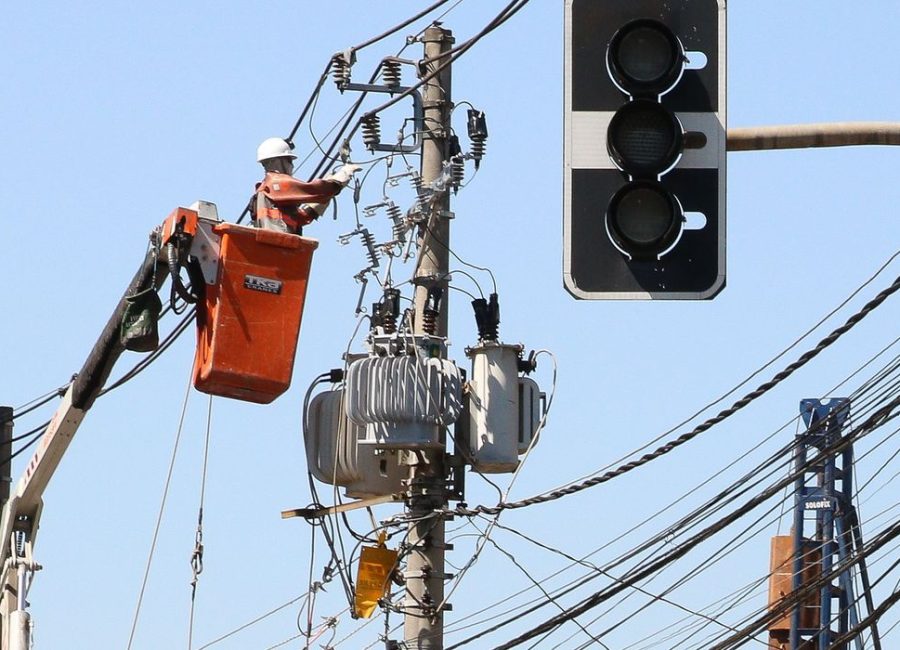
x: 116, y: 113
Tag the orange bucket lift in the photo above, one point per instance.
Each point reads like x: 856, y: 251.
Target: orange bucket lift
x: 249, y: 322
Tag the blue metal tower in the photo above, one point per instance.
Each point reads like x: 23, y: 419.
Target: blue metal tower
x: 823, y: 501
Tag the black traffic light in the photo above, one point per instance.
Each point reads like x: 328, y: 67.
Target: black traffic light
x: 644, y: 199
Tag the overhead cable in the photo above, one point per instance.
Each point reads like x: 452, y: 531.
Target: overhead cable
x: 162, y: 508
x: 787, y: 603
x: 253, y: 622
x: 38, y: 402
x: 324, y: 76
x: 877, y: 419
x: 505, y: 14
x: 769, y: 363
x: 399, y: 26
x: 663, y: 558
x: 589, y: 565
x: 730, y: 545
x: 498, y: 20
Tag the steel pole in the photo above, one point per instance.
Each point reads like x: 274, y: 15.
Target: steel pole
x: 827, y: 540
x: 6, y: 429
x: 802, y: 136
x: 423, y: 623
x: 797, y: 532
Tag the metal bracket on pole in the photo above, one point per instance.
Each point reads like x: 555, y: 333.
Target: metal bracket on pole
x: 418, y: 115
x: 318, y: 513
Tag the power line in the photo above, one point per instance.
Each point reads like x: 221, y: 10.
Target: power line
x: 38, y: 429
x: 518, y: 565
x: 812, y: 586
x: 879, y: 418
x: 891, y: 434
x: 455, y: 53
x: 655, y: 597
x: 162, y: 508
x: 256, y: 620
x: 22, y: 449
x: 764, y: 609
x: 498, y: 20
x: 399, y: 26
x: 766, y: 468
x: 324, y: 76
x: 759, y: 370
x: 38, y: 402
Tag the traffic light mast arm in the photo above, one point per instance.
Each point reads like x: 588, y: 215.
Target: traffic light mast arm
x: 801, y: 136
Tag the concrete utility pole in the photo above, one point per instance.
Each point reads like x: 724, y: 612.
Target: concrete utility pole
x: 423, y: 624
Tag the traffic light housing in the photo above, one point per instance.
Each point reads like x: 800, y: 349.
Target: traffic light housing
x: 644, y: 196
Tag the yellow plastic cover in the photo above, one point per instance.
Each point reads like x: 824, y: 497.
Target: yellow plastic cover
x: 373, y: 578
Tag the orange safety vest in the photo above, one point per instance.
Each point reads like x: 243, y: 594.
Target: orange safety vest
x: 287, y: 198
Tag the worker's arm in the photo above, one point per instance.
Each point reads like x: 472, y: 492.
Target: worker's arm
x: 315, y: 209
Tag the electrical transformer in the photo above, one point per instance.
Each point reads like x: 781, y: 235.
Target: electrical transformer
x: 336, y: 457
x: 504, y: 408
x: 404, y: 400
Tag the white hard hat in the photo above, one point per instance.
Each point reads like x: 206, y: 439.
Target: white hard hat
x: 274, y: 148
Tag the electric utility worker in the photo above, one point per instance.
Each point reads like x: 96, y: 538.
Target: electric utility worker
x: 284, y: 203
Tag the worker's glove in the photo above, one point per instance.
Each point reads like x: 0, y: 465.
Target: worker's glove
x: 344, y: 174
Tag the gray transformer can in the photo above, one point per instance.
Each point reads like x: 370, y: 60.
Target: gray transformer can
x: 504, y: 408
x: 336, y: 457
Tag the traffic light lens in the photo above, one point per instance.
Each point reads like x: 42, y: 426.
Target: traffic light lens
x: 644, y: 219
x: 644, y: 138
x: 645, y: 57
x: 643, y: 216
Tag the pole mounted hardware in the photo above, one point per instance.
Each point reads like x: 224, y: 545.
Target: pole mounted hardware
x: 645, y: 139
x: 391, y: 75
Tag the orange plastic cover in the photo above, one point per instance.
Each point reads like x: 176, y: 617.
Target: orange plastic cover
x: 248, y: 328
x: 781, y: 583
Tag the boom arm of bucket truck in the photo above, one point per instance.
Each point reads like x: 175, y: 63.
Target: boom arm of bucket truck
x: 187, y: 228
